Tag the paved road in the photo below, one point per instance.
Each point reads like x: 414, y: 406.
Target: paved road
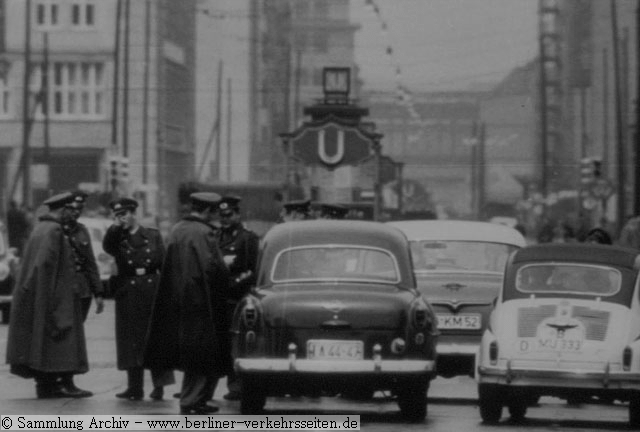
x: 452, y: 404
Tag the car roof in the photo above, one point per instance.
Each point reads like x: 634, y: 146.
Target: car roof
x: 579, y: 252
x: 300, y: 233
x: 458, y: 230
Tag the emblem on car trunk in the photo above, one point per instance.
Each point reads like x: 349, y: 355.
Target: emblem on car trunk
x: 454, y: 286
x: 334, y: 306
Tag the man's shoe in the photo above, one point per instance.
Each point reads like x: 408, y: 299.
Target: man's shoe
x: 50, y: 392
x: 157, y: 393
x: 199, y: 410
x: 69, y: 388
x: 131, y: 394
x: 233, y: 395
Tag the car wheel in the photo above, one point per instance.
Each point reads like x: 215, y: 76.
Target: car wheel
x: 253, y: 396
x: 490, y: 403
x: 634, y: 410
x: 517, y: 411
x: 412, y: 400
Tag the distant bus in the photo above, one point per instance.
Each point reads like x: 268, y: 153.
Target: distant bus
x: 261, y: 201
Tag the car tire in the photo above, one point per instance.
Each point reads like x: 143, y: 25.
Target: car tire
x: 412, y: 400
x: 253, y: 396
x: 634, y: 410
x: 517, y: 411
x: 490, y: 403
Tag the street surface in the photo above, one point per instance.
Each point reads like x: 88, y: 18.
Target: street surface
x: 452, y: 404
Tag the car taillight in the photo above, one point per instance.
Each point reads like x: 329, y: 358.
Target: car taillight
x: 398, y: 346
x: 627, y: 356
x: 250, y: 315
x: 420, y: 315
x: 104, y: 258
x: 493, y: 352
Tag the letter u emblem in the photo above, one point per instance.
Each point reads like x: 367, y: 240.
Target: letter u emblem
x: 322, y: 150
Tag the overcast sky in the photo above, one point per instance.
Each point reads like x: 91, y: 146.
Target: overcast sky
x: 443, y: 44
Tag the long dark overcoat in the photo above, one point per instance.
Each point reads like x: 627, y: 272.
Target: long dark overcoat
x: 46, y: 332
x: 190, y: 304
x: 139, y: 259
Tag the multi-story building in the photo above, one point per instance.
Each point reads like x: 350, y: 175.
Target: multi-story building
x: 99, y: 100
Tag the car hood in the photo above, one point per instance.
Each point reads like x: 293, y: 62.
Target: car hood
x: 334, y: 306
x: 459, y: 287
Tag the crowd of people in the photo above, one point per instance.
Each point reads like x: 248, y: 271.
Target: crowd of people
x: 174, y: 297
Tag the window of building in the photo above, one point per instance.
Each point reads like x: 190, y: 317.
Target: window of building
x: 47, y: 14
x: 317, y: 77
x: 5, y: 96
x: 83, y: 14
x: 76, y: 90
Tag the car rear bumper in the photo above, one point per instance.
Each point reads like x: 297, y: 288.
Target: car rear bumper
x: 455, y: 349
x: 335, y: 367
x: 532, y: 377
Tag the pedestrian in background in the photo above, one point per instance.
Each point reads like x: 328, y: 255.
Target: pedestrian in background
x: 333, y: 211
x: 46, y: 332
x: 138, y: 252
x: 296, y: 210
x: 239, y: 247
x: 598, y: 235
x: 630, y: 233
x: 85, y: 263
x: 190, y: 307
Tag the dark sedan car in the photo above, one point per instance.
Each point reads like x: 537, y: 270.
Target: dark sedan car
x: 335, y: 311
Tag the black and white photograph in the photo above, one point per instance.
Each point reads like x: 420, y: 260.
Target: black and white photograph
x: 403, y: 214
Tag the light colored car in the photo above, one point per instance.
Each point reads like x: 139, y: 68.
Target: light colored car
x: 459, y: 267
x: 8, y: 270
x: 566, y: 324
x: 97, y: 228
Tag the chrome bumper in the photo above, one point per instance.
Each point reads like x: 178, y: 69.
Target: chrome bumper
x: 604, y: 379
x: 457, y: 349
x: 284, y: 366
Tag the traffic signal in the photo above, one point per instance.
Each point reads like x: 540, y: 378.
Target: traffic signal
x: 114, y: 171
x: 587, y: 172
x: 124, y: 169
x: 597, y: 167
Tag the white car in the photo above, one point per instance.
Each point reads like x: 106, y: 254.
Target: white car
x: 97, y: 228
x: 459, y: 267
x: 566, y: 324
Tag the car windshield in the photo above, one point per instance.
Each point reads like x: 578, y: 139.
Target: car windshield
x: 567, y: 278
x: 335, y: 262
x: 459, y: 255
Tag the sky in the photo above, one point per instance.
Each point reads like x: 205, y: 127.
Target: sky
x: 442, y: 44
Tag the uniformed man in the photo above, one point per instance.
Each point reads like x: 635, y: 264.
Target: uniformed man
x: 138, y: 252
x: 333, y: 211
x: 85, y: 262
x: 46, y: 336
x: 296, y: 210
x: 239, y: 248
x: 189, y: 312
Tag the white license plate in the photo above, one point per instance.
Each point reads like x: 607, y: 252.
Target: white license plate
x: 462, y: 321
x: 326, y: 349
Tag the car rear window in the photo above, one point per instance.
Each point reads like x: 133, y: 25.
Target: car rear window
x: 335, y: 262
x: 459, y: 255
x: 567, y: 278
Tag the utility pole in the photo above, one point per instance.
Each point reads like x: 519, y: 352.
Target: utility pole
x: 125, y: 101
x: 228, y: 129
x: 218, y: 123
x: 618, y: 110
x: 116, y: 78
x: 636, y: 203
x: 45, y: 98
x: 145, y: 94
x: 544, y: 147
x: 482, y: 170
x: 26, y: 118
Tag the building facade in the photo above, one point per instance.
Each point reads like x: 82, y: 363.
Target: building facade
x: 98, y: 88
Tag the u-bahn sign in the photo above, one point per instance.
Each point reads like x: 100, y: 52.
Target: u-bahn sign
x: 330, y: 144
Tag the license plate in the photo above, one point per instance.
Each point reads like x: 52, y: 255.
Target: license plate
x: 550, y: 344
x: 326, y: 349
x: 462, y: 321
